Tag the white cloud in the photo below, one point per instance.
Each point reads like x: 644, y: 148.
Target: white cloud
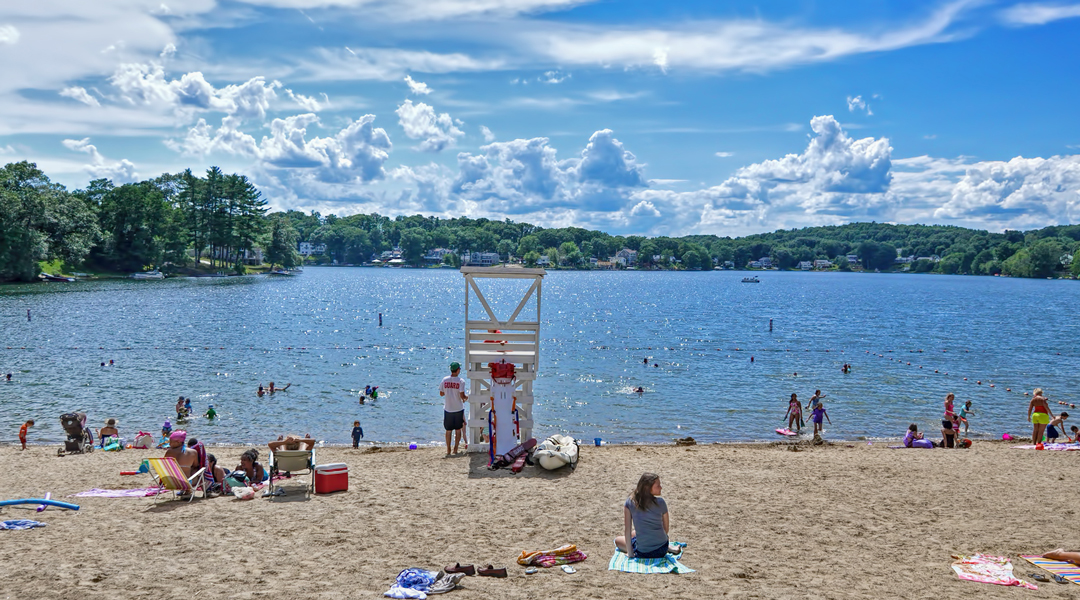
x: 168, y: 50
x: 660, y: 59
x: 383, y: 64
x: 748, y: 45
x: 420, y: 122
x: 553, y: 77
x: 122, y: 171
x: 146, y: 84
x: 488, y: 136
x: 1038, y: 14
x: 416, y: 87
x: 725, y: 154
x: 604, y: 161
x: 857, y: 103
x: 525, y: 176
x: 9, y: 35
x: 1022, y: 193
x: 425, y: 10
x: 7, y: 149
x: 644, y: 209
x: 308, y: 103
x: 355, y: 153
x: 80, y: 94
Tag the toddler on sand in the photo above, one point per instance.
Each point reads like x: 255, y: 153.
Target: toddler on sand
x: 22, y: 432
x: 357, y: 433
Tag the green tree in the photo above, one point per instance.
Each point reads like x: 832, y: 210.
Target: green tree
x: 413, y: 243
x: 531, y: 257
x: 40, y: 220
x: 281, y: 249
x: 569, y: 254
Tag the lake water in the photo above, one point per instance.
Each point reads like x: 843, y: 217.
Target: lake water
x: 215, y: 340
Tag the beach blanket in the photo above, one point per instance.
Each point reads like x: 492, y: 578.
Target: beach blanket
x: 1064, y: 447
x: 668, y: 564
x: 1058, y: 567
x: 20, y: 524
x: 983, y: 568
x: 132, y: 493
x: 563, y: 555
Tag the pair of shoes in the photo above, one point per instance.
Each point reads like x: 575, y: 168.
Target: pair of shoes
x: 457, y: 568
x: 491, y: 571
x: 445, y: 582
x: 1038, y: 577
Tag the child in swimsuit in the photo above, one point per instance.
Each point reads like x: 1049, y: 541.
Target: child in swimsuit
x: 794, y: 413
x: 817, y: 415
x: 1051, y: 429
x: 1076, y: 434
x: 964, y: 412
x: 946, y: 421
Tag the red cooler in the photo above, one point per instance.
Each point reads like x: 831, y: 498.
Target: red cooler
x: 332, y: 477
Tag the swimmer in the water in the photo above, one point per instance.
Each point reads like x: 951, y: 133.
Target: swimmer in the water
x: 640, y: 390
x: 181, y: 410
x: 260, y: 391
x: 274, y: 389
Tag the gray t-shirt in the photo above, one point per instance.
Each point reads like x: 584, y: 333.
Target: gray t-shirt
x: 649, y: 524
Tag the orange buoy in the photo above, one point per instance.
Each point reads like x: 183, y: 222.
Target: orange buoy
x: 1008, y: 389
x: 979, y: 382
x: 965, y: 379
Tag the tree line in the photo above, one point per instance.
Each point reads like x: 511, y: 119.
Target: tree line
x: 179, y: 220
x: 214, y: 221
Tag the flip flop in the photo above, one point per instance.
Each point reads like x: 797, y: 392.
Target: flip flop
x: 1038, y: 577
x: 1060, y: 579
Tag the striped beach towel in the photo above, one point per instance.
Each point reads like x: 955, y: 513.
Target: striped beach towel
x: 1057, y: 567
x: 668, y: 564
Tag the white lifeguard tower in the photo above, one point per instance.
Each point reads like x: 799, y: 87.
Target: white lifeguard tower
x: 516, y: 342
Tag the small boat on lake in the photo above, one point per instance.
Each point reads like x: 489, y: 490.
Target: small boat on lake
x: 753, y: 279
x: 280, y: 272
x: 155, y: 274
x: 47, y: 277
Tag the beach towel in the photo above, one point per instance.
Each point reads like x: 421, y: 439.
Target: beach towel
x: 20, y: 524
x: 983, y: 568
x: 132, y: 493
x: 1067, y: 570
x: 563, y: 555
x: 1064, y: 447
x: 668, y: 564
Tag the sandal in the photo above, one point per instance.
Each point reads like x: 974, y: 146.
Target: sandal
x: 491, y: 571
x: 1038, y: 577
x: 1060, y: 579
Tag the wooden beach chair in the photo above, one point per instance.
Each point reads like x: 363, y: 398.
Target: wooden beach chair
x: 168, y: 475
x: 291, y: 461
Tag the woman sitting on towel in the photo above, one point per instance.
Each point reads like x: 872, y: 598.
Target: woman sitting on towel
x: 250, y: 467
x: 645, y: 521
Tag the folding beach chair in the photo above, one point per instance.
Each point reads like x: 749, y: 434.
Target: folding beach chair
x: 168, y: 475
x: 291, y: 461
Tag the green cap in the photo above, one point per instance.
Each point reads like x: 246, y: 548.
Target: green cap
x: 454, y: 367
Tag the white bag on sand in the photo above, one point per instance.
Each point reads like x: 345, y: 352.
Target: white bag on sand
x: 244, y: 493
x: 143, y: 441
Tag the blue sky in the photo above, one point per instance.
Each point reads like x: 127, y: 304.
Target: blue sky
x: 632, y: 117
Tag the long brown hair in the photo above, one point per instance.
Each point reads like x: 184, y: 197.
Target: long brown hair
x: 643, y: 497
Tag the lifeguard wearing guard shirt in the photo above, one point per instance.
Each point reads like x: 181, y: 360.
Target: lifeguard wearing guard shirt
x: 452, y: 389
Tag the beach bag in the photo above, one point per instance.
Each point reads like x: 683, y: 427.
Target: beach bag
x: 143, y: 441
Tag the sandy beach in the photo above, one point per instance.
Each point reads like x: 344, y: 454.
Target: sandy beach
x: 761, y: 521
